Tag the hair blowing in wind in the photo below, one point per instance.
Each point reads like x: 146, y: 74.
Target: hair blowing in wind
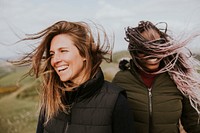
x: 175, y: 58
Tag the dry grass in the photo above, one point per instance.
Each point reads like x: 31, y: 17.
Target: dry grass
x: 8, y: 89
x: 18, y: 104
x: 17, y: 115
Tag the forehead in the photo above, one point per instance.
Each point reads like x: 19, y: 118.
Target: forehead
x: 61, y: 40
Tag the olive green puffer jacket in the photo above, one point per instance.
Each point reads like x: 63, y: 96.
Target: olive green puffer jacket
x: 157, y: 109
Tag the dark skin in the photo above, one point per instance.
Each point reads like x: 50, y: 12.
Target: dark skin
x: 150, y: 64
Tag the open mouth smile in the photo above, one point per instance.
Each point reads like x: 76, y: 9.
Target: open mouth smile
x: 62, y: 68
x: 152, y: 60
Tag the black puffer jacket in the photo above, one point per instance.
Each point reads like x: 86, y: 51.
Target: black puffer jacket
x: 101, y: 107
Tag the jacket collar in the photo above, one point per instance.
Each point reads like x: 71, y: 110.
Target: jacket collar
x: 91, y: 87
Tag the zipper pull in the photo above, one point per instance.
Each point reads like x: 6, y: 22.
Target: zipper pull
x: 150, y: 100
x: 150, y: 93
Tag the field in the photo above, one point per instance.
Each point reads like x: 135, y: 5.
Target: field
x: 18, y: 102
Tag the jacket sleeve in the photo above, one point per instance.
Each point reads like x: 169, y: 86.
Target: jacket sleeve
x: 40, y: 127
x: 190, y: 118
x: 122, y: 117
x: 118, y: 79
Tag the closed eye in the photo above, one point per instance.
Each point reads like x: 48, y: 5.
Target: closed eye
x: 51, y: 54
x: 64, y: 50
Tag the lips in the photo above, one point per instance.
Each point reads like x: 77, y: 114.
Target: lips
x: 152, y: 60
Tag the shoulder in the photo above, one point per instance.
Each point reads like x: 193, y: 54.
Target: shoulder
x: 165, y: 79
x: 123, y: 77
x: 123, y: 73
x: 113, y: 88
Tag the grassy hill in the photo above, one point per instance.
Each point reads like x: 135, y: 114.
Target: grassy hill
x: 18, y: 102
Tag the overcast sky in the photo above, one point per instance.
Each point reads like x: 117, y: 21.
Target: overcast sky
x: 18, y: 17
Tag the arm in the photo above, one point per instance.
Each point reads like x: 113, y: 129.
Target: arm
x: 189, y: 118
x: 122, y: 117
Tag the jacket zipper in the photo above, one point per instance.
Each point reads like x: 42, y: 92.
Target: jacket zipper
x: 150, y: 101
x: 150, y: 108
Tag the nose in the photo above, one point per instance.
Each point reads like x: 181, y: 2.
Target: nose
x: 55, y: 59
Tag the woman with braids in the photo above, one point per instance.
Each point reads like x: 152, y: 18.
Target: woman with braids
x: 161, y: 81
x: 75, y: 97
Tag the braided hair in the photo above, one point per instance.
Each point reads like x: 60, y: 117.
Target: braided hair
x: 175, y: 58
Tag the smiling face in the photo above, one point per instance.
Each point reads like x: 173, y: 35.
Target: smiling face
x: 150, y: 63
x: 66, y: 60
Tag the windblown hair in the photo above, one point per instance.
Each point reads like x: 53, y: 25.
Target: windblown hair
x: 175, y: 58
x: 93, y: 48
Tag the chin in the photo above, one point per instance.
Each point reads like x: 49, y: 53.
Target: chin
x: 64, y: 79
x: 152, y: 68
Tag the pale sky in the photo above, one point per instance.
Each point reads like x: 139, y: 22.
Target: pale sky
x: 18, y: 17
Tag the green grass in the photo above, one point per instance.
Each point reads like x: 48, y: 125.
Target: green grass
x: 18, y: 108
x: 13, y: 78
x: 18, y: 114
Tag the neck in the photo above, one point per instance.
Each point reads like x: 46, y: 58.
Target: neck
x: 147, y: 78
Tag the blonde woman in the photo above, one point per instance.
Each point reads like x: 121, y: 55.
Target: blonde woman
x: 75, y: 98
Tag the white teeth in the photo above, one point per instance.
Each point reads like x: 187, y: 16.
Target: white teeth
x: 153, y: 59
x: 62, y: 68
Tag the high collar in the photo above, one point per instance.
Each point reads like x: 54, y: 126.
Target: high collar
x: 91, y: 87
x: 86, y: 90
x: 146, y: 75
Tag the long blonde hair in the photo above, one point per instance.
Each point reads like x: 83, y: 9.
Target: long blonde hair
x: 92, y: 48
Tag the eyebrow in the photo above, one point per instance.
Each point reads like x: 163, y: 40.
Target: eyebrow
x: 60, y: 48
